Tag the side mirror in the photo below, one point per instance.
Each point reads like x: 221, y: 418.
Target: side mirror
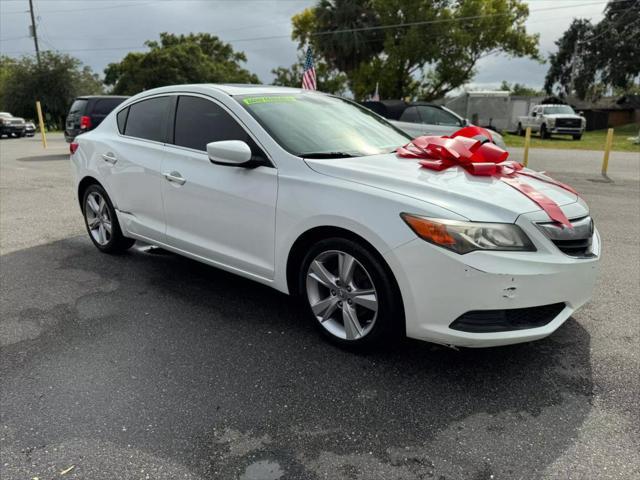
x: 232, y: 153
x: 533, y: 114
x: 581, y: 113
x: 465, y: 122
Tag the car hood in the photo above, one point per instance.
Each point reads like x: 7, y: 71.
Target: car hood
x: 562, y: 115
x: 483, y: 199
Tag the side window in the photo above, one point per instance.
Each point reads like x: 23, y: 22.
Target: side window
x: 200, y: 121
x: 438, y: 116
x: 148, y: 119
x: 122, y: 119
x: 103, y: 106
x: 410, y: 115
x: 427, y: 115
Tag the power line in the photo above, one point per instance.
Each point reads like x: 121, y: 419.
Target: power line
x: 350, y: 30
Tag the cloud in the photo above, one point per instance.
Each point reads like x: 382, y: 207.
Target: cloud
x: 102, y: 31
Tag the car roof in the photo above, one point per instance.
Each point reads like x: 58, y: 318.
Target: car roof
x: 89, y: 97
x: 230, y: 89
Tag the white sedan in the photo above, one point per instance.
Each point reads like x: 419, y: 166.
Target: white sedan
x: 302, y: 191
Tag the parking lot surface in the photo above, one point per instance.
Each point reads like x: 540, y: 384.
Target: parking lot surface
x: 149, y: 365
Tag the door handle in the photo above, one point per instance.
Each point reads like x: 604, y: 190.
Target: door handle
x: 109, y: 158
x: 175, y: 177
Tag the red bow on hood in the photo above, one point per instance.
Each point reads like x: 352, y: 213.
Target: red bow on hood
x: 471, y: 149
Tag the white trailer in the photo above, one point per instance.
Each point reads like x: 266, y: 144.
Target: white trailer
x: 494, y: 109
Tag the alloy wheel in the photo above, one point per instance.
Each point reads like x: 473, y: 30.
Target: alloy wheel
x: 98, y: 218
x: 342, y: 295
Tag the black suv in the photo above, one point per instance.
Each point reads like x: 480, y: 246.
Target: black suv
x: 87, y: 112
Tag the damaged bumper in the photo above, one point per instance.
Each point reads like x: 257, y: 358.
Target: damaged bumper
x: 485, y: 299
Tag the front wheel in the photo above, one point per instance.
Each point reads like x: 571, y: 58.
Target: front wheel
x: 102, y: 223
x: 544, y: 133
x: 520, y: 130
x: 350, y: 294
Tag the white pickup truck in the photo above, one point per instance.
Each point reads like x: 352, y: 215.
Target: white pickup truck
x: 553, y: 119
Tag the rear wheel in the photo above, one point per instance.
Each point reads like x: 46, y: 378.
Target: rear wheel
x: 101, y: 221
x: 350, y: 295
x: 577, y: 137
x: 520, y: 131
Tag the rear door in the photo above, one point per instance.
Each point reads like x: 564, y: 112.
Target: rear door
x: 134, y: 159
x: 221, y: 213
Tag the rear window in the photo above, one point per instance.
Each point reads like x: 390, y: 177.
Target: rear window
x: 122, y: 119
x: 78, y: 105
x: 104, y: 106
x: 148, y: 119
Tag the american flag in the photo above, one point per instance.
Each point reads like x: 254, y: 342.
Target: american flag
x: 309, y: 75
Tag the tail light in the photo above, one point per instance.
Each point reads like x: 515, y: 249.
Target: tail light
x: 85, y: 122
x: 73, y: 147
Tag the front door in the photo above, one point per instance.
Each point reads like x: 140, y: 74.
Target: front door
x: 223, y: 214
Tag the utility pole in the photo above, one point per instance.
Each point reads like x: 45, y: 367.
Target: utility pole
x: 34, y: 32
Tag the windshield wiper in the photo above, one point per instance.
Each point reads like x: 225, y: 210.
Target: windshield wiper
x: 326, y: 155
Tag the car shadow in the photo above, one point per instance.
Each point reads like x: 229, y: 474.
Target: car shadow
x: 218, y: 372
x: 53, y: 157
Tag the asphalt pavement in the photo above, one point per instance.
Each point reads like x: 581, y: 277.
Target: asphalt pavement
x: 150, y: 365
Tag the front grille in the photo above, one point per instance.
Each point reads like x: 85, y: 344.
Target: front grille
x: 568, y: 122
x: 576, y: 242
x: 487, y: 321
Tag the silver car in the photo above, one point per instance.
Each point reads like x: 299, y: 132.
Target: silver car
x: 419, y: 119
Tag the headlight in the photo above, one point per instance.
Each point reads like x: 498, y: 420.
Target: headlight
x: 551, y: 121
x: 465, y: 237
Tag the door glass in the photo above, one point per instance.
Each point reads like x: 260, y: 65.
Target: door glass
x: 147, y: 119
x: 200, y: 121
x: 410, y: 115
x: 437, y: 116
x: 122, y: 119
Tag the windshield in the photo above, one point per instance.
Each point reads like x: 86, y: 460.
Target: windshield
x: 559, y: 109
x: 310, y: 124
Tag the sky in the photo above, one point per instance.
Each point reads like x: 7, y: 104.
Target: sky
x: 99, y: 32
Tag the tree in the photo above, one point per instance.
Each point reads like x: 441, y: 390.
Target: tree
x: 55, y: 82
x: 329, y: 81
x: 177, y: 59
x: 592, y: 59
x: 520, y: 89
x: 411, y: 47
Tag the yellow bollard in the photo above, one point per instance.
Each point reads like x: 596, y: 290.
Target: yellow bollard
x: 527, y: 141
x: 41, y: 122
x: 607, y: 149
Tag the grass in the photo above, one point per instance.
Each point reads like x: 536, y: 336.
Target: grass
x: 593, y: 140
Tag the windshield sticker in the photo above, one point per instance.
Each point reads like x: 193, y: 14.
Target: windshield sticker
x: 278, y: 99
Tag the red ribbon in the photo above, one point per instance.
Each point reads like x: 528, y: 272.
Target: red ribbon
x: 471, y: 149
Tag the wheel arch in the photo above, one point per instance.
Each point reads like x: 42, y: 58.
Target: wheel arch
x: 84, y: 184
x: 315, y: 234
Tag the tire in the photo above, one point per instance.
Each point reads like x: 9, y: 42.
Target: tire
x: 544, y: 133
x: 376, y: 317
x: 520, y: 131
x: 100, y: 216
x: 577, y: 137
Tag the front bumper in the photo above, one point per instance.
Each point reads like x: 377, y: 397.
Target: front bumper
x: 13, y: 129
x: 566, y: 130
x: 439, y: 286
